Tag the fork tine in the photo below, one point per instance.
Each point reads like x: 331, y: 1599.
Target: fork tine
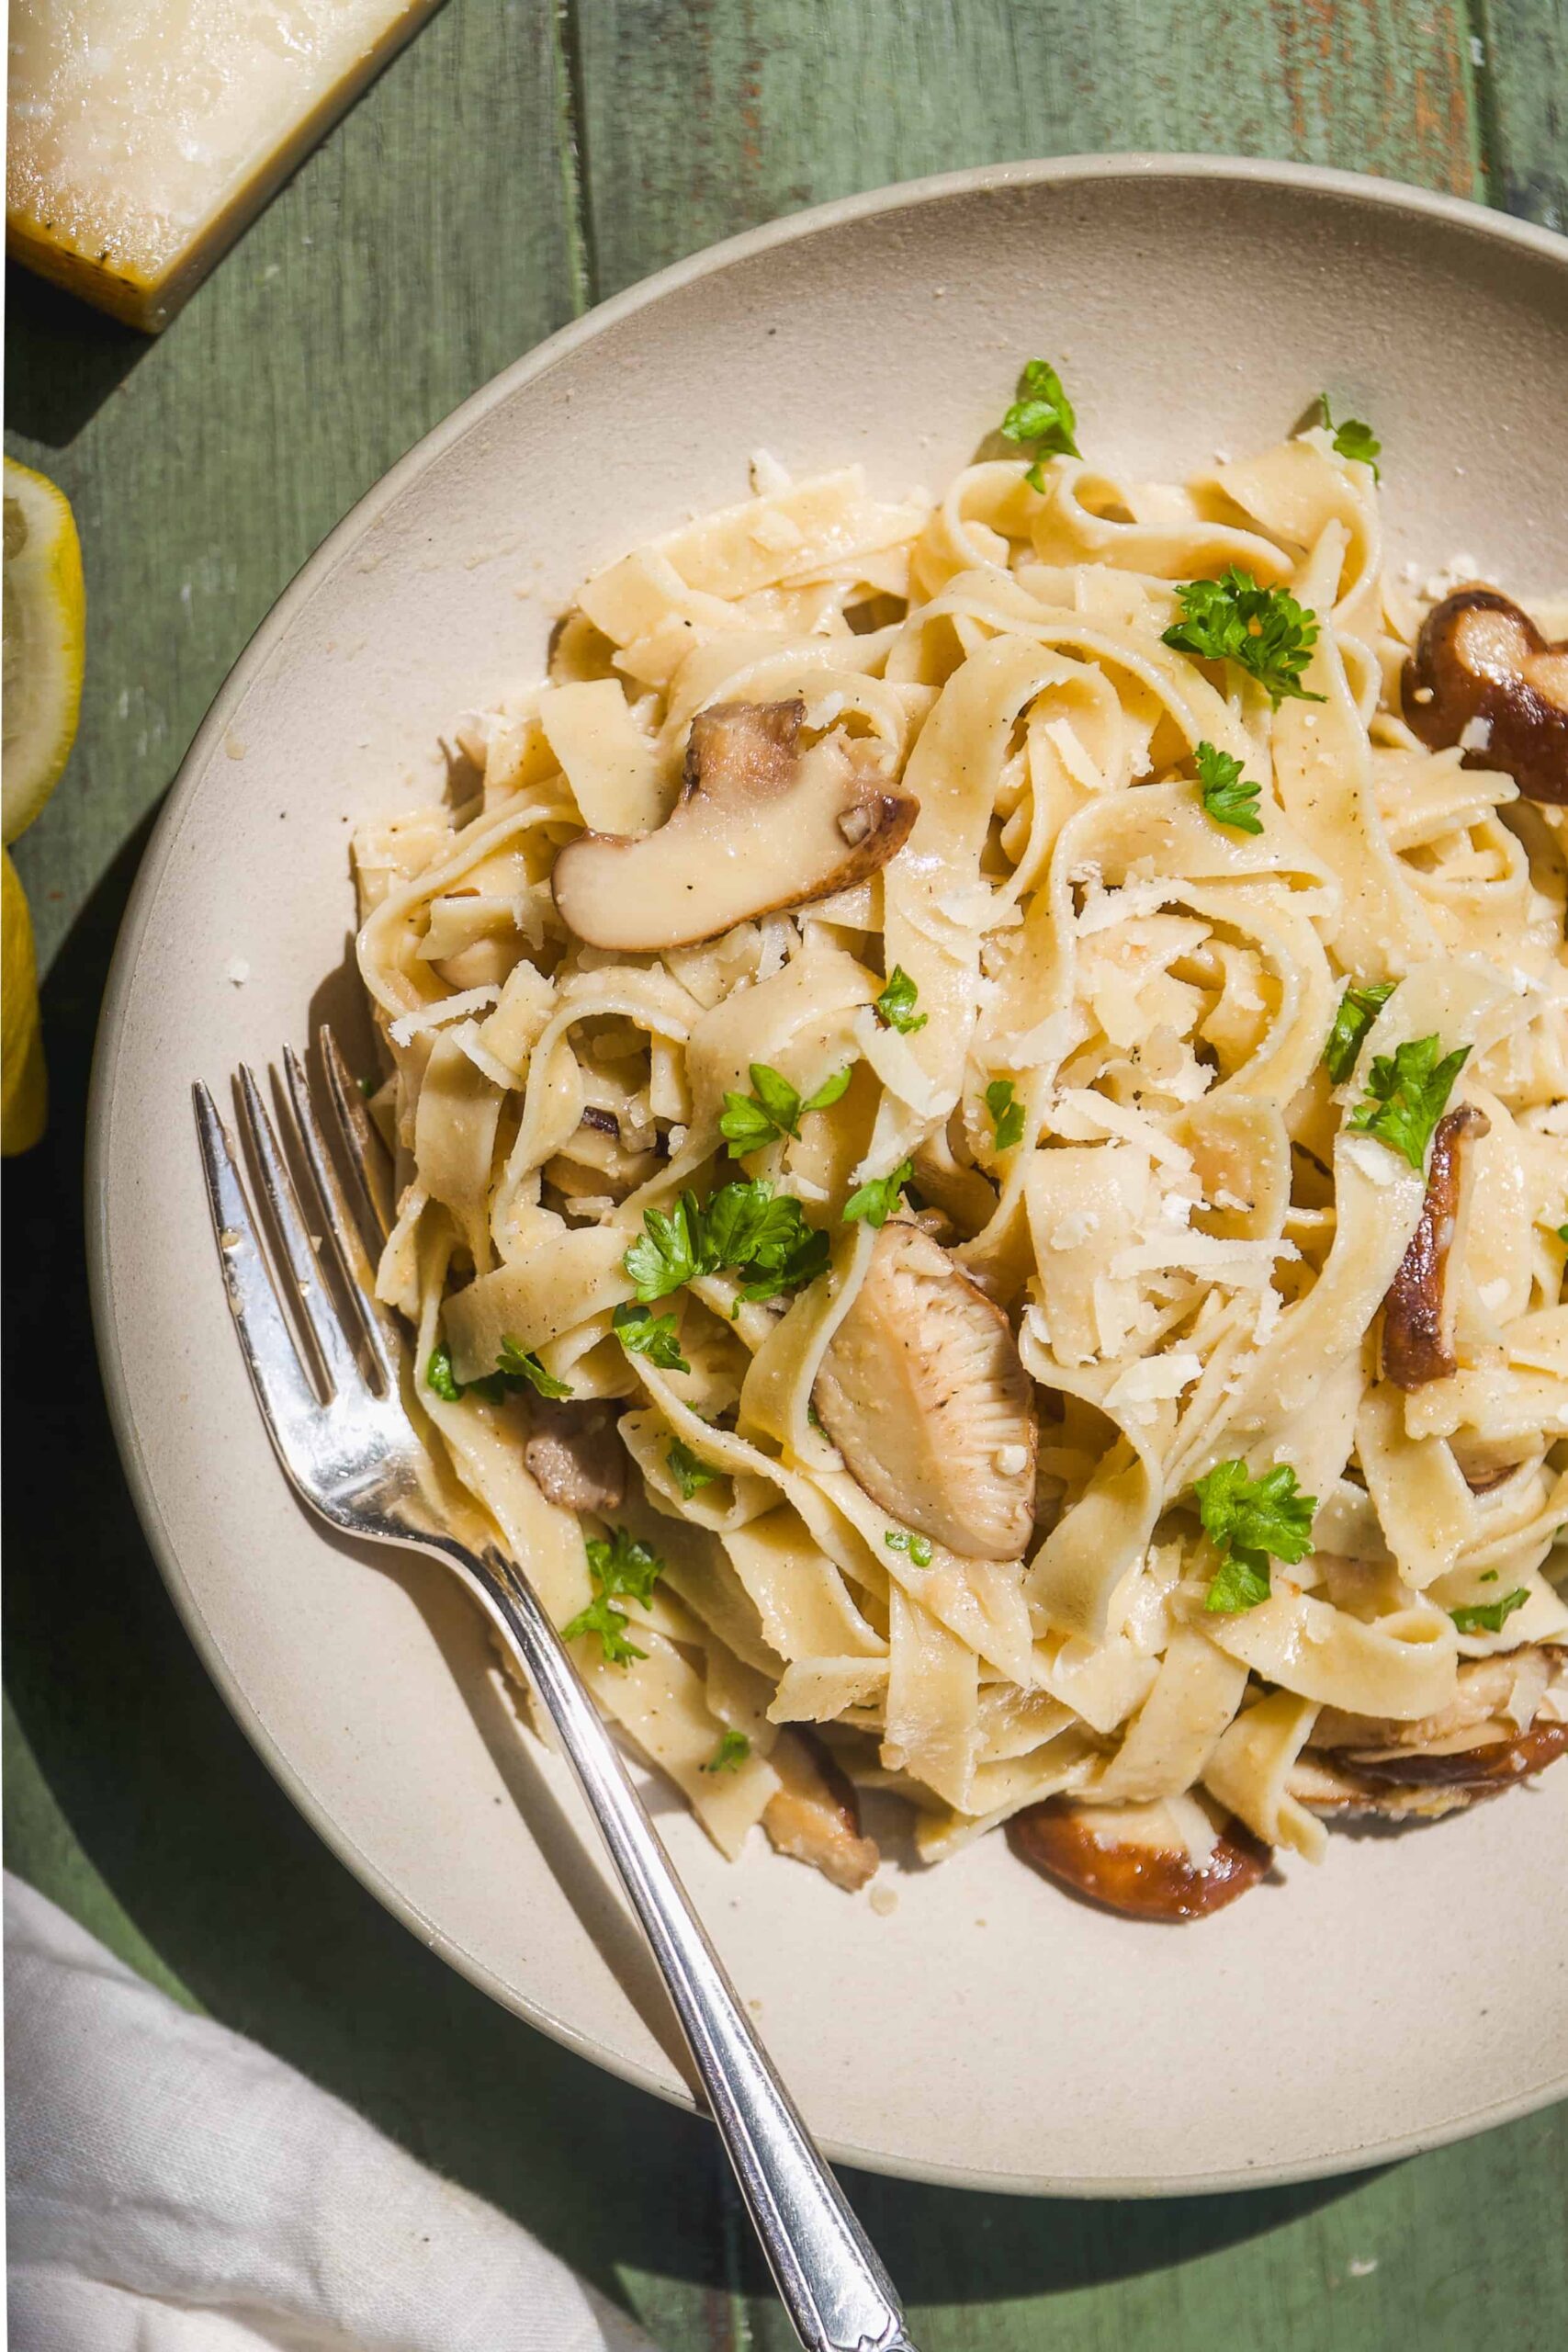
x: 288, y: 1402
x: 343, y: 1227
x: 363, y: 1148
x: 316, y: 1307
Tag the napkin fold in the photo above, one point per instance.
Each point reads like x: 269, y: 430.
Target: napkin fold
x: 172, y: 2188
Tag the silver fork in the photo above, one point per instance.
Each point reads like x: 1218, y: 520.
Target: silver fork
x: 352, y: 1452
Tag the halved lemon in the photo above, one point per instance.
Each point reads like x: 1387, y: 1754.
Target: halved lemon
x: 25, y: 1098
x: 43, y: 616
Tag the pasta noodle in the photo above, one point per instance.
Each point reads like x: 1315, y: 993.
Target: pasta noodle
x: 929, y: 1325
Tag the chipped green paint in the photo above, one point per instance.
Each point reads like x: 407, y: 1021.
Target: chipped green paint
x: 516, y: 162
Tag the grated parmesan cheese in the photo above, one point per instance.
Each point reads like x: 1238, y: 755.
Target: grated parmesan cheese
x: 409, y: 1025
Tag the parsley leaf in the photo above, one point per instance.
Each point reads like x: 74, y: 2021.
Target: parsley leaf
x: 1006, y: 1116
x: 1240, y: 1582
x: 1225, y: 797
x: 899, y: 1538
x: 653, y: 1335
x: 729, y: 1754
x: 514, y: 1370
x: 792, y: 1266
x: 668, y: 1252
x: 618, y: 1567
x: 773, y: 1109
x: 1246, y: 1520
x: 688, y: 1469
x: 876, y: 1200
x: 1353, y: 439
x: 749, y: 1226
x: 1042, y: 414
x: 1490, y: 1616
x: 515, y: 1367
x: 742, y: 1226
x: 1409, y: 1089
x: 1359, y: 1008
x: 895, y: 1005
x: 1263, y: 630
x: 1561, y: 1236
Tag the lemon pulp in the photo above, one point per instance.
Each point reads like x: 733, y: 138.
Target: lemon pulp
x: 43, y: 612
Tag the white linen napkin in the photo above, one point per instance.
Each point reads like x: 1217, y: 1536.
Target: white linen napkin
x: 174, y: 2189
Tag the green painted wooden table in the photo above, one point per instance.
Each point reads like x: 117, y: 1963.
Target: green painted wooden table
x: 522, y: 159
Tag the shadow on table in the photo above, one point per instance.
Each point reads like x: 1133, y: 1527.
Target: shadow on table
x: 264, y: 1927
x: 63, y: 358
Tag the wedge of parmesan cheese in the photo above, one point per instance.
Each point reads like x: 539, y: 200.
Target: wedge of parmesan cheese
x: 145, y: 134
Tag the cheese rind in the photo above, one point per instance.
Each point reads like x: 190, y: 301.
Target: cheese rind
x: 144, y: 135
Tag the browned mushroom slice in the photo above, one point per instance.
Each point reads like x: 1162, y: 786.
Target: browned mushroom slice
x: 1486, y: 1690
x: 1483, y: 675
x: 1326, y: 1786
x: 923, y: 1394
x: 760, y: 825
x: 815, y: 1816
x: 1419, y: 1312
x: 573, y: 1454
x: 1132, y: 1859
x: 1494, y: 1765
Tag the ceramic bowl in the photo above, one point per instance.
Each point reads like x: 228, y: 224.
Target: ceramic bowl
x: 988, y: 2029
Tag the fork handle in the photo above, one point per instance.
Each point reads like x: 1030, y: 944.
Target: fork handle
x: 834, y: 2289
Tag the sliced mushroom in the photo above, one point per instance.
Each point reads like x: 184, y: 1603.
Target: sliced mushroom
x: 1496, y: 1764
x: 1511, y: 1682
x: 923, y: 1394
x: 573, y: 1454
x: 1483, y: 676
x: 815, y: 1817
x: 1419, y: 1312
x: 1134, y: 1860
x: 1326, y: 1786
x: 760, y: 825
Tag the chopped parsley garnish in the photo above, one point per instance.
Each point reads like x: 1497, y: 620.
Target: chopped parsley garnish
x: 773, y: 1109
x: 620, y: 1567
x: 899, y: 1538
x: 688, y: 1469
x: 1042, y: 414
x: 895, y: 1005
x: 1225, y: 797
x: 1409, y: 1090
x: 729, y: 1754
x: 1562, y: 1233
x: 642, y: 1333
x: 875, y: 1201
x: 1489, y: 1616
x: 1006, y: 1116
x: 1359, y: 1008
x: 1263, y: 630
x: 1248, y: 1519
x: 515, y: 1366
x: 667, y: 1250
x: 746, y: 1227
x: 1353, y: 439
x: 514, y: 1369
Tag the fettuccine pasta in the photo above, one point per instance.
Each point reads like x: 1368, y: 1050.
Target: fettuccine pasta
x: 982, y: 1157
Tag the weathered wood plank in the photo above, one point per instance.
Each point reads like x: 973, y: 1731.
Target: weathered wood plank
x: 701, y: 118
x: 1520, y: 53
x: 431, y: 240
x: 1430, y: 2254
